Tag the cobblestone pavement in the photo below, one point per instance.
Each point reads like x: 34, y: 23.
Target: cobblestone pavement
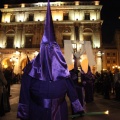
x: 98, y: 105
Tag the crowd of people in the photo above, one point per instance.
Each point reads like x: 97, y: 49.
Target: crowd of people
x: 7, y: 78
x: 104, y: 83
x: 107, y: 83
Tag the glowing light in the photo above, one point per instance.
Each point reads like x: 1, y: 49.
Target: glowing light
x: 73, y: 60
x: 106, y: 112
x: 5, y: 66
x: 17, y: 53
x: 90, y: 114
x: 13, y: 59
x: 57, y: 15
x: 74, y: 45
x: 0, y: 45
x: 97, y: 2
x: 6, y: 6
x: 36, y: 53
x: 80, y: 60
x: 22, y: 5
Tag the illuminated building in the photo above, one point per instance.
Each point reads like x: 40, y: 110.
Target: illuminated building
x: 22, y: 26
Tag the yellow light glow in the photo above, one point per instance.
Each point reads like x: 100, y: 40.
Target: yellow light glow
x: 22, y: 5
x: 6, y: 6
x: 21, y: 17
x: 57, y: 15
x: 77, y: 2
x: 5, y: 66
x: 106, y: 112
x: 74, y: 45
x: 7, y: 20
x: 80, y: 60
x: 97, y: 43
x: 1, y: 45
x: 36, y: 53
x: 73, y: 60
x: 17, y: 52
x: 10, y: 59
x: 79, y: 46
x: 97, y: 2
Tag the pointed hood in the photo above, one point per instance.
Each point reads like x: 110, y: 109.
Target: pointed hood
x: 27, y: 62
x: 49, y: 63
x: 49, y: 34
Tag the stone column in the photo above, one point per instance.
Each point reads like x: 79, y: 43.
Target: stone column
x: 99, y: 62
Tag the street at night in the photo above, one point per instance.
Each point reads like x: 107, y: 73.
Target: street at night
x: 99, y: 105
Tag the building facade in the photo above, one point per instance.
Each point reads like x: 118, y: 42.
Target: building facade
x: 22, y: 27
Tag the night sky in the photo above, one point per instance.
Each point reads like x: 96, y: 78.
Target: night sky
x: 109, y: 14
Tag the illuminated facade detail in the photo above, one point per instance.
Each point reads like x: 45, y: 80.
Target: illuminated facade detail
x: 22, y: 26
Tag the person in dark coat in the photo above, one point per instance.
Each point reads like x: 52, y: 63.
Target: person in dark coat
x: 117, y: 84
x: 8, y: 76
x: 46, y: 81
x: 87, y: 80
x: 3, y: 82
x: 79, y: 87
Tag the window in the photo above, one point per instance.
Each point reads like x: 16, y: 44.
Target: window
x: 87, y: 16
x: 108, y: 61
x: 114, y: 54
x: 108, y: 54
x: 9, y: 42
x: 31, y: 16
x: 65, y: 16
x: 114, y: 61
x: 87, y: 37
x: 12, y: 18
x: 28, y: 42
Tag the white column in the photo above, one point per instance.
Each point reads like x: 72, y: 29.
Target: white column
x: 99, y: 63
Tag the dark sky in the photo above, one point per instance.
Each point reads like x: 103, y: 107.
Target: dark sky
x: 109, y: 14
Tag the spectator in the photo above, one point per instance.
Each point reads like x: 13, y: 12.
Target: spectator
x: 3, y: 82
x: 117, y: 84
x: 88, y: 82
x: 8, y: 76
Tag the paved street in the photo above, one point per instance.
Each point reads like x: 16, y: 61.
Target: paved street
x: 98, y: 105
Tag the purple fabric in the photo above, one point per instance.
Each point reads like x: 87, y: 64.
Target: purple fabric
x: 46, y: 81
x: 50, y: 63
x: 23, y: 111
x: 77, y: 106
x: 88, y: 83
x: 48, y: 92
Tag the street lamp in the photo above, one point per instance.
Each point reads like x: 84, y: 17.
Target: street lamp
x: 116, y: 67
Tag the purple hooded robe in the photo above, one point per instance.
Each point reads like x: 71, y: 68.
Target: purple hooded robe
x: 46, y: 81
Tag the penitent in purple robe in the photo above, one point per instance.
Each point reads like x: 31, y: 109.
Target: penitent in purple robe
x: 45, y: 100
x: 46, y: 81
